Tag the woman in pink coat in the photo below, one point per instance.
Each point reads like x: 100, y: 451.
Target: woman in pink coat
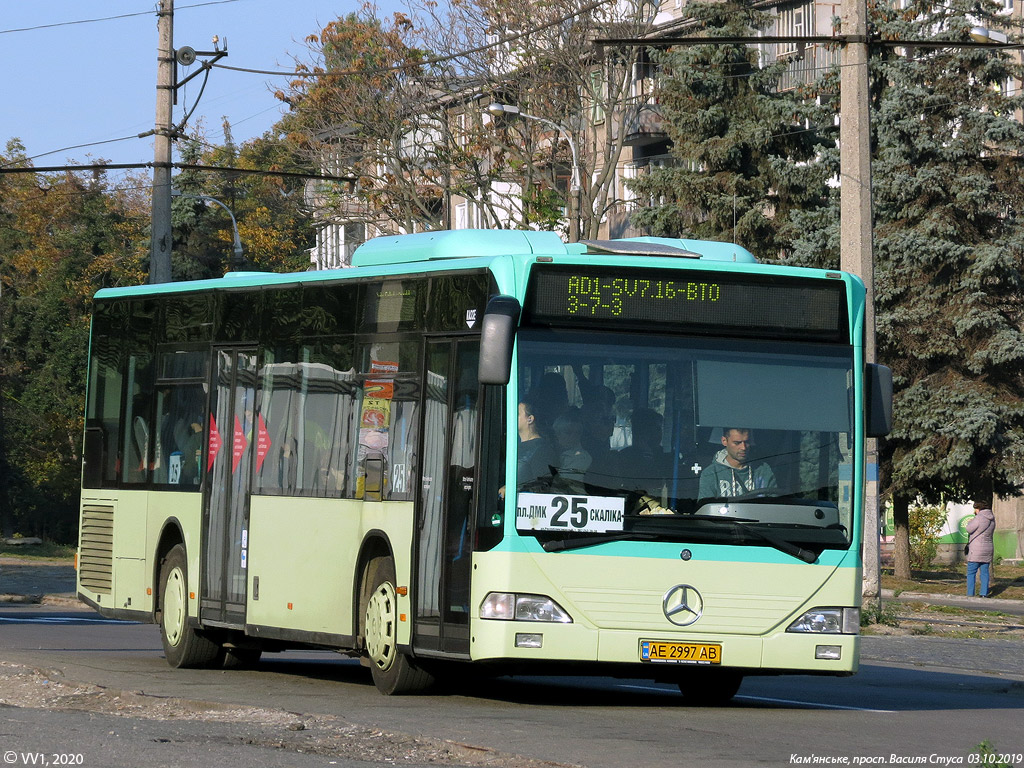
x: 979, y: 545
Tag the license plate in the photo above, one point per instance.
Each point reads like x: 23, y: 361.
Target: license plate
x: 680, y: 653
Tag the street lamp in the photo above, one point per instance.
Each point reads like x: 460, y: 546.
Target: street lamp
x: 495, y: 109
x: 238, y: 260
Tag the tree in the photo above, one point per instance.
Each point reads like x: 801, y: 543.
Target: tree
x: 949, y: 250
x: 540, y: 57
x: 273, y: 224
x: 747, y: 154
x: 398, y: 104
x: 368, y: 107
x: 62, y: 236
x: 273, y: 219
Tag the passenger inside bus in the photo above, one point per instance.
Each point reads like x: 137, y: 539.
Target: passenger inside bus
x: 536, y: 455
x: 550, y: 399
x: 643, y: 467
x: 598, y: 417
x: 573, y: 460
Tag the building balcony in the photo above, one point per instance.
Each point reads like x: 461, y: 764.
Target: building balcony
x: 807, y: 65
x: 644, y: 123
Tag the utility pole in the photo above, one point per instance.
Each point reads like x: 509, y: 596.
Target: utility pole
x: 160, y: 238
x: 856, y: 251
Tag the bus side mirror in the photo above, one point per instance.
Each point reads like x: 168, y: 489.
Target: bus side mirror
x: 497, y: 334
x: 878, y: 399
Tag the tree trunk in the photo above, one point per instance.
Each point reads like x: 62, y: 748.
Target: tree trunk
x: 901, y: 544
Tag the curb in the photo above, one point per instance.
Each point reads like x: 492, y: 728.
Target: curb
x: 962, y: 601
x: 21, y: 598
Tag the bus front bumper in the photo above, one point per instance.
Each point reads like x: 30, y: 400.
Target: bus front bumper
x: 524, y: 642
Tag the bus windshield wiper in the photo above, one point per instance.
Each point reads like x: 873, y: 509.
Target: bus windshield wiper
x: 782, y: 545
x: 787, y: 547
x: 561, y: 545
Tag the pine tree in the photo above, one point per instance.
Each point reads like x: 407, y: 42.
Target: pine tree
x: 745, y: 151
x: 949, y: 249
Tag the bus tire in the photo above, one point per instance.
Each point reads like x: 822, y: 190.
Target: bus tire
x: 184, y: 647
x: 710, y: 688
x: 393, y: 671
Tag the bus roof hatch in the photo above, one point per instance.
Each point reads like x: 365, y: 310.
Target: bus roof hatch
x: 672, y: 247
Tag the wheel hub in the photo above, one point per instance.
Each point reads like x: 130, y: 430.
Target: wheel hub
x: 380, y: 626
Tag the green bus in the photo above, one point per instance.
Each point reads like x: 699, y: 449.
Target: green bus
x: 638, y: 457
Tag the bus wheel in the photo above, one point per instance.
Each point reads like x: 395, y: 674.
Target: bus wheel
x: 393, y: 671
x: 710, y: 688
x: 184, y: 647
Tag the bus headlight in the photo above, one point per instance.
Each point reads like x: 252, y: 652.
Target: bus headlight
x: 507, y: 606
x: 828, y: 621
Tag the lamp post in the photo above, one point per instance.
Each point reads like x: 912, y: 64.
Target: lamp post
x: 984, y: 35
x: 237, y: 261
x: 495, y: 109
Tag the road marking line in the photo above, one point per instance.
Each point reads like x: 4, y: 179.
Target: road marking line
x: 816, y: 705
x: 790, y: 702
x: 62, y: 620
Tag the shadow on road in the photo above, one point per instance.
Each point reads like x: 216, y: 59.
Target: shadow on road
x: 875, y: 688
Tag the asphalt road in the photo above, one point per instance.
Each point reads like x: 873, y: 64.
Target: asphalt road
x: 915, y: 698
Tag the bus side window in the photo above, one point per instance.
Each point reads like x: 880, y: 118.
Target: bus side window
x: 92, y: 465
x: 490, y: 505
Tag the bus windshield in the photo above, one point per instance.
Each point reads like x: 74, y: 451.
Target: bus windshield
x: 660, y: 437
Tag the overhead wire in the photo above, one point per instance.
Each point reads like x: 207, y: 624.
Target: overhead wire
x: 376, y: 70
x: 434, y: 59
x: 107, y: 18
x: 440, y: 59
x: 65, y: 149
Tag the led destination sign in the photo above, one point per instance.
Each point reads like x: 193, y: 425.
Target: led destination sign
x: 601, y: 296
x: 700, y: 301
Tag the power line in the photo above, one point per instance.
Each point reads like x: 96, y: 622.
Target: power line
x: 434, y: 59
x: 106, y: 18
x: 78, y: 21
x: 180, y: 167
x: 76, y: 146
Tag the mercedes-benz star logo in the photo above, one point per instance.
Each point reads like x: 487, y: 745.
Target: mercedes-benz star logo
x: 683, y: 605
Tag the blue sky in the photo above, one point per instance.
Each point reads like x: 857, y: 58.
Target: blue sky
x: 79, y: 83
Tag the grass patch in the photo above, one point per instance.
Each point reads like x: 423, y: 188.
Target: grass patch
x: 991, y: 758
x: 950, y: 609
x: 879, y: 613
x: 45, y: 551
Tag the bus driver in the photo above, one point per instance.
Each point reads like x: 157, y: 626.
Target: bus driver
x: 730, y: 474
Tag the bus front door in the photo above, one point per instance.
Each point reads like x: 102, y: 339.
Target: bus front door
x: 444, y: 543
x: 230, y: 445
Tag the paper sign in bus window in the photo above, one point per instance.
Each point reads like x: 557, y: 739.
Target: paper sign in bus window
x: 567, y: 513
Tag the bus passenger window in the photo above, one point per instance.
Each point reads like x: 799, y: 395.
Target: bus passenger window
x: 179, y: 434
x: 308, y: 409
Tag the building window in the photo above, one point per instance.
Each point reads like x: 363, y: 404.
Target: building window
x: 598, y: 96
x: 795, y: 20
